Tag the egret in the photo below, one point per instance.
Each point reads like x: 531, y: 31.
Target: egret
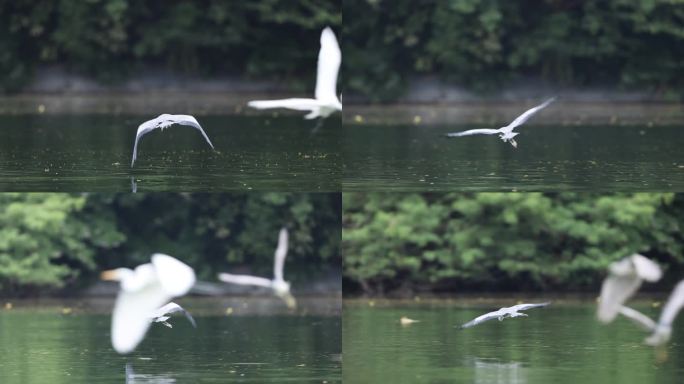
x: 280, y: 287
x: 326, y: 101
x: 503, y: 313
x: 624, y: 278
x: 143, y: 291
x: 661, y: 330
x: 506, y: 133
x: 164, y: 313
x: 165, y: 121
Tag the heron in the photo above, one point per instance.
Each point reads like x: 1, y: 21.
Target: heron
x: 326, y: 101
x: 143, y: 291
x: 164, y: 121
x: 278, y: 285
x: 624, y: 279
x: 506, y: 133
x: 163, y: 314
x: 503, y: 313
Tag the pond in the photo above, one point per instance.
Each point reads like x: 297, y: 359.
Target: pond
x: 562, y: 343
x: 69, y: 343
x: 548, y: 157
x: 93, y: 153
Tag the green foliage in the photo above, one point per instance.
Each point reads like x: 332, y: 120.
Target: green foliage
x: 484, y: 44
x: 503, y: 240
x: 218, y: 232
x: 61, y: 240
x: 111, y: 38
x: 44, y: 244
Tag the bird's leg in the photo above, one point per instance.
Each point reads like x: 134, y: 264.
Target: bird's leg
x: 501, y: 318
x: 167, y: 324
x: 319, y: 124
x: 513, y: 143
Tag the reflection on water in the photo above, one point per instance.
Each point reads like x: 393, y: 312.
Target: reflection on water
x: 562, y: 344
x: 492, y: 372
x: 138, y: 378
x: 93, y: 153
x: 45, y: 345
x: 418, y: 158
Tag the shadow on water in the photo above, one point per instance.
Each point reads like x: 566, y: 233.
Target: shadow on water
x: 553, y: 157
x: 93, y: 153
x: 562, y: 343
x: 48, y: 344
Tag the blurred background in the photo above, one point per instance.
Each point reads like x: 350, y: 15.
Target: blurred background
x: 57, y: 244
x: 457, y: 243
x: 426, y: 51
x: 86, y: 45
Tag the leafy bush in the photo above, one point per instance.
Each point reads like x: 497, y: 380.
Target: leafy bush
x: 44, y: 244
x: 51, y: 241
x: 485, y: 44
x: 503, y: 240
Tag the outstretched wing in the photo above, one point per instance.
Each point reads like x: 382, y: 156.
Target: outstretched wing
x: 524, y: 307
x: 172, y: 308
x: 280, y: 254
x: 329, y: 59
x: 480, y: 131
x: 190, y: 121
x: 150, y: 125
x: 526, y: 116
x: 143, y: 129
x: 645, y: 268
x: 296, y: 104
x: 638, y: 318
x: 673, y: 306
x: 614, y: 292
x: 480, y: 319
x: 244, y: 280
x: 624, y: 278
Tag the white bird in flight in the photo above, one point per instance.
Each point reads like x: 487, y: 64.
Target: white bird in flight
x: 143, y: 291
x: 280, y: 287
x: 624, y: 279
x: 164, y: 121
x: 503, y: 313
x: 326, y: 101
x: 661, y: 331
x: 163, y: 314
x: 506, y: 133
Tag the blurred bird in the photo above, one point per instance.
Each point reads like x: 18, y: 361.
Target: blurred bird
x: 662, y: 330
x: 280, y: 287
x: 506, y: 133
x: 143, y: 291
x: 326, y: 101
x: 407, y: 321
x: 624, y: 278
x: 165, y: 121
x: 163, y: 314
x: 503, y: 313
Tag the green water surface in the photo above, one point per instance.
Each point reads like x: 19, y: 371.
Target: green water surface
x: 40, y: 345
x: 93, y: 153
x: 562, y: 343
x: 557, y: 158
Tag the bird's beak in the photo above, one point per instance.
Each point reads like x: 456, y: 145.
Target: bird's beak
x: 109, y: 275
